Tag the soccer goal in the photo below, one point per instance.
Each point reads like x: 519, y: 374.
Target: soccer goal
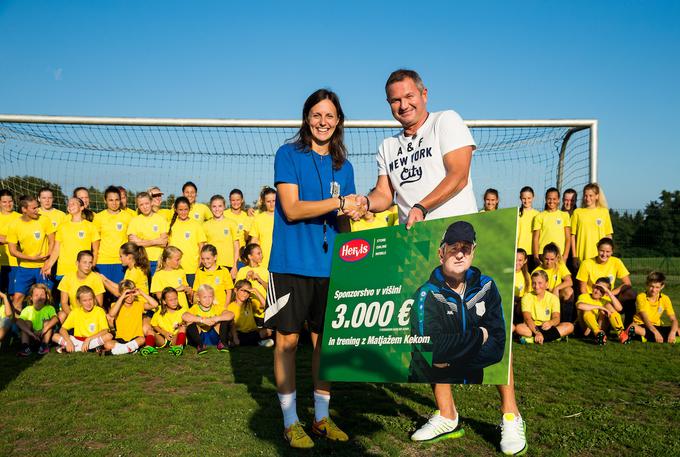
x: 221, y: 154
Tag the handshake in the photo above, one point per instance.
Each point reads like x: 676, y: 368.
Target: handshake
x: 353, y: 206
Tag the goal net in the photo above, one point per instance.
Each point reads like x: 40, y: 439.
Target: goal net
x: 219, y: 155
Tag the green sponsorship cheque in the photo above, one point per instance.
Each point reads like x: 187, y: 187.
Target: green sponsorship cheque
x: 391, y: 318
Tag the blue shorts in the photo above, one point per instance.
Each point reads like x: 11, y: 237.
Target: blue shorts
x: 191, y: 279
x: 152, y: 268
x: 210, y: 338
x: 114, y: 272
x: 24, y: 278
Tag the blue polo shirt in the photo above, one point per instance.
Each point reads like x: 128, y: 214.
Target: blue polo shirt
x: 297, y: 247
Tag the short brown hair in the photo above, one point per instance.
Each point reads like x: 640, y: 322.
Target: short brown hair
x: 402, y: 74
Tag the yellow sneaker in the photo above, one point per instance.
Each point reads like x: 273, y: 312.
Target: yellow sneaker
x: 327, y: 428
x: 297, y: 437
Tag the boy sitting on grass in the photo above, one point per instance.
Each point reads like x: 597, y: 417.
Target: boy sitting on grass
x: 541, y: 313
x: 88, y: 322
x: 37, y: 321
x: 597, y: 306
x: 650, y: 306
x: 133, y: 330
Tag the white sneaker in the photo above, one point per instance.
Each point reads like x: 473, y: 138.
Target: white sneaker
x: 438, y: 428
x: 513, y: 439
x: 266, y: 343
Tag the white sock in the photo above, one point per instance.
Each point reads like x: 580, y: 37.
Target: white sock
x: 119, y: 349
x: 96, y: 342
x: 321, y: 402
x: 132, y: 345
x: 62, y: 342
x: 289, y: 408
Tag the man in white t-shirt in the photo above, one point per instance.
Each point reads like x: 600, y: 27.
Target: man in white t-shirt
x: 427, y: 165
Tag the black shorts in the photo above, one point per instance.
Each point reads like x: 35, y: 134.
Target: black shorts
x: 249, y: 338
x: 665, y: 331
x: 293, y: 300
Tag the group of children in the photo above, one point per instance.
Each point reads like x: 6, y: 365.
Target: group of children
x: 573, y: 281
x: 128, y: 282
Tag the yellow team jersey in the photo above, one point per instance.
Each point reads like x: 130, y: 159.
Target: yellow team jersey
x: 199, y: 212
x: 541, y: 309
x: 521, y: 285
x: 186, y: 235
x: 242, y: 222
x: 112, y: 229
x: 214, y: 310
x: 86, y: 324
x: 219, y: 279
x: 130, y: 211
x: 589, y: 226
x: 244, y: 315
x: 137, y: 276
x: 71, y: 282
x: 222, y: 234
x: 262, y: 273
x: 170, y: 321
x: 525, y: 229
x: 129, y: 321
x: 589, y: 300
x: 74, y: 237
x: 377, y: 222
x: 170, y: 278
x: 551, y: 228
x: 5, y: 221
x: 166, y: 213
x: 590, y: 271
x: 263, y: 229
x: 654, y: 310
x: 31, y: 236
x: 556, y: 275
x: 149, y: 228
x: 55, y: 216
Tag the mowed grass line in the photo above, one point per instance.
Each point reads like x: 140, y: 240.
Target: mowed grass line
x: 578, y: 399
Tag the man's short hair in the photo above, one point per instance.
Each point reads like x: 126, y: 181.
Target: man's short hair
x: 402, y: 74
x: 24, y: 200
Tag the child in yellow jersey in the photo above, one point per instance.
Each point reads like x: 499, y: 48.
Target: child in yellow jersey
x: 8, y: 262
x: 262, y: 228
x: 237, y: 214
x: 217, y: 277
x: 596, y: 312
x: 525, y: 220
x: 71, y: 283
x: 208, y: 324
x: 30, y: 239
x: 559, y: 279
x: 245, y: 331
x: 541, y: 313
x: 186, y: 234
x: 198, y: 211
x: 112, y: 224
x: 551, y: 226
x: 223, y: 234
x: 256, y: 273
x: 89, y: 325
x: 133, y: 330
x: 73, y: 235
x: 170, y: 274
x: 148, y: 230
x: 606, y: 265
x: 368, y: 221
x: 522, y: 284
x: 168, y: 324
x: 650, y: 306
x: 37, y: 321
x: 46, y: 200
x: 590, y: 223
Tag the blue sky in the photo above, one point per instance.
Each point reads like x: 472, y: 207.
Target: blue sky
x: 613, y: 61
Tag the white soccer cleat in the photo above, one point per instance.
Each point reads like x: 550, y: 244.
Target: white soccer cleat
x: 438, y: 428
x: 513, y: 435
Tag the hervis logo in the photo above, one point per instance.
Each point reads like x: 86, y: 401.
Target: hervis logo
x: 354, y: 250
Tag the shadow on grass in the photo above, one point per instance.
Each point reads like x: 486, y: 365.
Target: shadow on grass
x: 361, y: 409
x: 11, y: 366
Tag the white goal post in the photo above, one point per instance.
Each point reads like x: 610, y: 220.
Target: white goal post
x: 222, y: 154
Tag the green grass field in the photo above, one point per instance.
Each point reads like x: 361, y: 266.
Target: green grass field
x: 577, y: 399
